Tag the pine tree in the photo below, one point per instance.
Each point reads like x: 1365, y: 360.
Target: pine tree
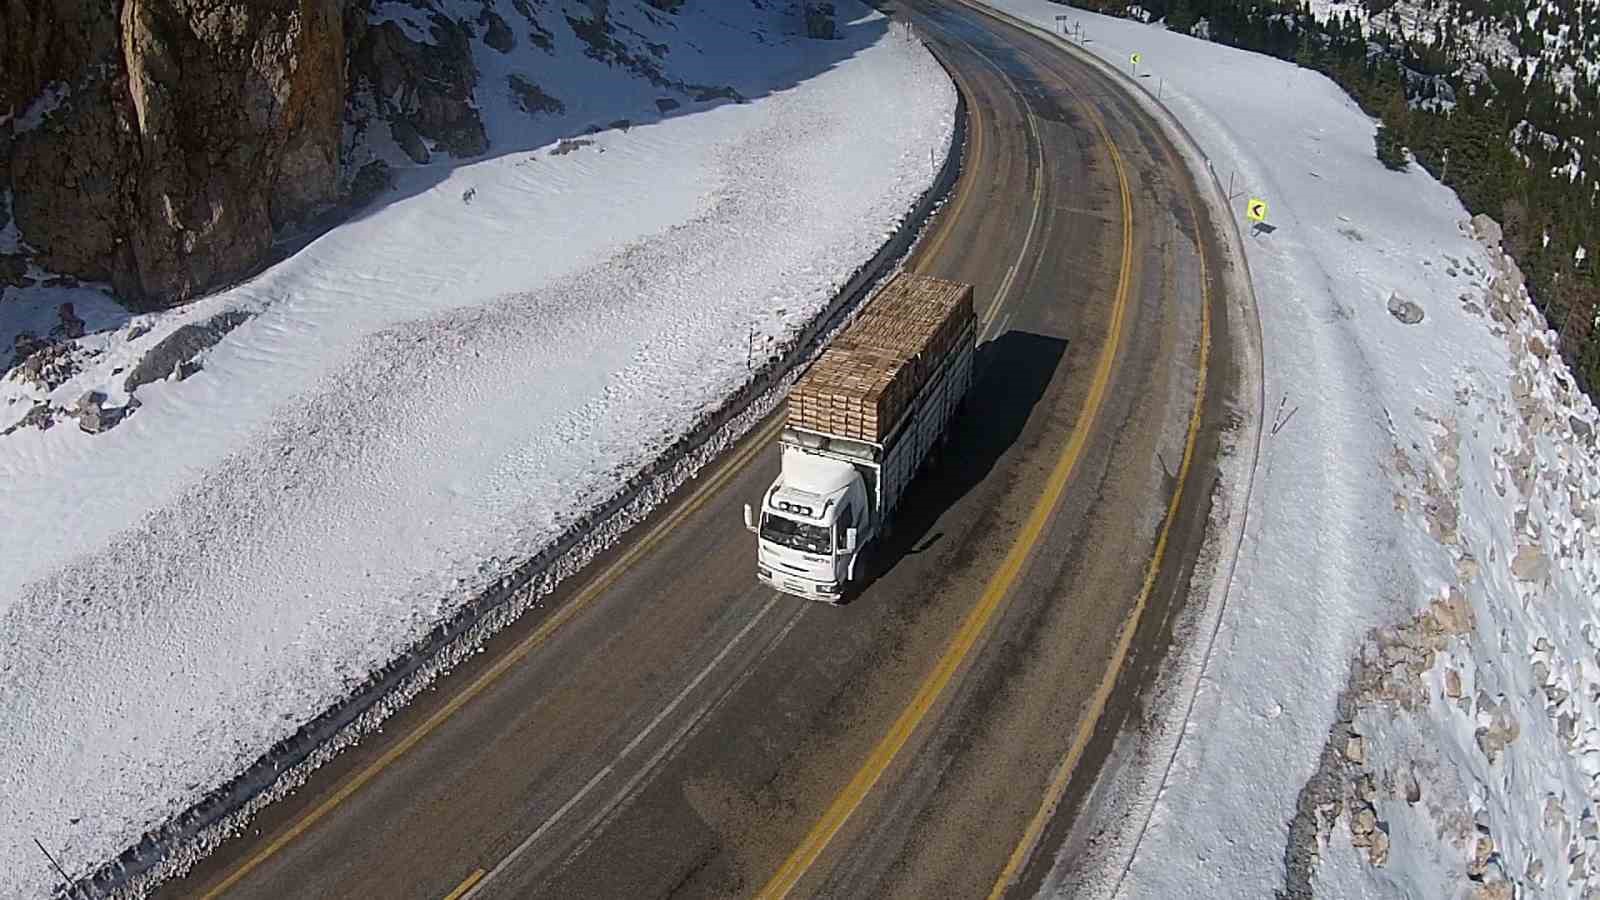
x: 1181, y: 17
x: 1391, y: 152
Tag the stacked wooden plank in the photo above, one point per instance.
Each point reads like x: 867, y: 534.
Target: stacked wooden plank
x: 870, y: 375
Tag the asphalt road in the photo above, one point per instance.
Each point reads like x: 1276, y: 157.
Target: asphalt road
x: 665, y: 726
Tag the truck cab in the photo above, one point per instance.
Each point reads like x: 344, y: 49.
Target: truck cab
x: 861, y: 422
x: 813, y: 523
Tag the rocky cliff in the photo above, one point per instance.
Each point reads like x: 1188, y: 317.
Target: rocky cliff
x: 157, y: 144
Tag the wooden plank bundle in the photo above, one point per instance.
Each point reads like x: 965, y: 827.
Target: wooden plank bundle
x: 867, y: 379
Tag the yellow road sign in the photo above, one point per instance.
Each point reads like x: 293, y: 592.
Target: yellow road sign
x: 1256, y: 210
x: 1137, y: 57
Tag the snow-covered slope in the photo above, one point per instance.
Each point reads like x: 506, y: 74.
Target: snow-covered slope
x: 1401, y: 698
x: 419, y: 398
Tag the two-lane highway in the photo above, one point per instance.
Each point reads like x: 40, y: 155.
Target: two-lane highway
x: 667, y: 726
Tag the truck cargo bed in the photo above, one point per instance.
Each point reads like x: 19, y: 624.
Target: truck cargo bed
x: 868, y: 378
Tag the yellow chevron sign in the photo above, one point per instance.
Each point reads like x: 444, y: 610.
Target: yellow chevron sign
x: 1256, y: 210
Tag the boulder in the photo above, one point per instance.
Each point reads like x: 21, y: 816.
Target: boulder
x: 496, y: 33
x: 535, y: 101
x: 92, y: 415
x: 177, y: 353
x: 1364, y: 822
x: 1406, y: 311
x: 1486, y: 231
x: 47, y: 366
x: 41, y: 416
x: 1453, y: 613
x: 1530, y: 564
x: 1378, y: 851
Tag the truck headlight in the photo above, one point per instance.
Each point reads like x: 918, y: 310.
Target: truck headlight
x: 763, y: 572
x: 826, y: 588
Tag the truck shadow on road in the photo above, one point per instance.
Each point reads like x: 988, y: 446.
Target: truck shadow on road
x: 1013, y: 373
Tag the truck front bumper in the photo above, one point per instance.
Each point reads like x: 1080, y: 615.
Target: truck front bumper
x: 826, y: 591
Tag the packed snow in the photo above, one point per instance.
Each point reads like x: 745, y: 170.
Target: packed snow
x: 1402, y: 696
x: 397, y: 413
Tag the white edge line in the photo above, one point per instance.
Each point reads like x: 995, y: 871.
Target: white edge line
x: 639, y: 738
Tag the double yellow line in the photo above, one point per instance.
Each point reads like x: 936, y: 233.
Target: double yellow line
x: 995, y: 591
x: 1061, y: 778
x: 999, y: 585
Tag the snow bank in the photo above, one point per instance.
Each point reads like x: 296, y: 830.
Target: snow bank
x: 1406, y: 664
x: 422, y: 398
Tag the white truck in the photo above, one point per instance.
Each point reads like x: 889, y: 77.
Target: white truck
x: 860, y: 423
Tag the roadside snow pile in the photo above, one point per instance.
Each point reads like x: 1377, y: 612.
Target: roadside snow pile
x: 1408, y: 662
x: 345, y: 448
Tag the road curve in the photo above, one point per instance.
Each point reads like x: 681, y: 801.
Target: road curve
x: 684, y: 731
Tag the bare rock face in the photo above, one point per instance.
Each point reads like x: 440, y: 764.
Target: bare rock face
x: 424, y: 89
x: 65, y: 153
x: 236, y: 116
x: 158, y: 144
x: 48, y: 41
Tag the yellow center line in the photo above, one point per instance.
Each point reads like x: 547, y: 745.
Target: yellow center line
x: 997, y: 589
x: 1087, y: 723
x: 463, y: 887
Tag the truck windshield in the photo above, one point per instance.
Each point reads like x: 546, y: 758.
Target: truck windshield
x: 795, y: 535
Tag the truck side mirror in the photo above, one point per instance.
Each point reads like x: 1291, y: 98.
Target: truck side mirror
x: 749, y: 518
x: 849, y: 540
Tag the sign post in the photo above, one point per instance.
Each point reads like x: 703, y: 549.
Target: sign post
x: 1135, y: 59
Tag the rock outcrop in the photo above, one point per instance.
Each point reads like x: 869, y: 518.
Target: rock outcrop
x: 424, y: 89
x: 159, y: 144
